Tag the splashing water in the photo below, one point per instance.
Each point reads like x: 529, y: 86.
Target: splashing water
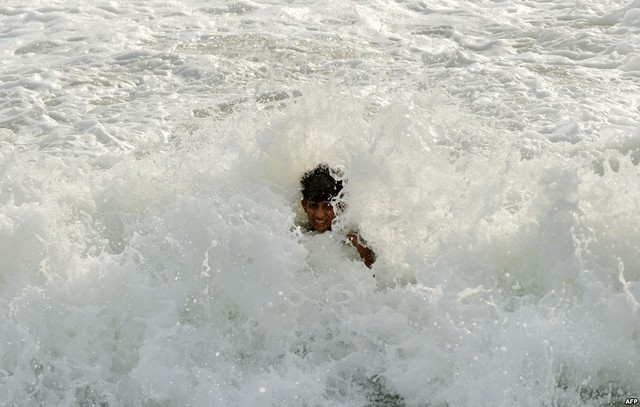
x: 150, y: 248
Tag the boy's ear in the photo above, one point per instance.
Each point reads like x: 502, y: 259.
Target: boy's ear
x: 304, y: 201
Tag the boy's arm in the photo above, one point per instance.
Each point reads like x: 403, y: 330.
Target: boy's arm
x: 367, y: 255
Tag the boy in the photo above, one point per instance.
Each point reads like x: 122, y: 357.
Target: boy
x: 319, y: 192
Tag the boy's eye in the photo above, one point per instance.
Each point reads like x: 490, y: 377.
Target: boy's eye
x: 316, y: 205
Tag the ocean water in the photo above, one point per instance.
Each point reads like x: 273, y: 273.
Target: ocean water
x: 150, y: 244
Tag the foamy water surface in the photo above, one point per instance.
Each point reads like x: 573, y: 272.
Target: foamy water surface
x: 150, y: 248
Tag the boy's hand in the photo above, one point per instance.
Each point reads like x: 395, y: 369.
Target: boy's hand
x: 365, y: 253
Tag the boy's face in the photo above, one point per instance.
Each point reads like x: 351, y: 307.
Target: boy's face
x: 320, y: 214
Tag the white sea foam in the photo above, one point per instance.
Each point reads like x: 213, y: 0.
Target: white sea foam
x: 150, y: 156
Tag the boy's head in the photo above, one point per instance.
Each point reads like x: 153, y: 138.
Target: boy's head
x: 319, y: 188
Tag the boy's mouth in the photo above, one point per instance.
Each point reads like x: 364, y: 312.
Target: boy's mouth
x: 322, y: 223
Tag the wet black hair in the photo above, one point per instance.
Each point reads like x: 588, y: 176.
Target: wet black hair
x: 319, y: 185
